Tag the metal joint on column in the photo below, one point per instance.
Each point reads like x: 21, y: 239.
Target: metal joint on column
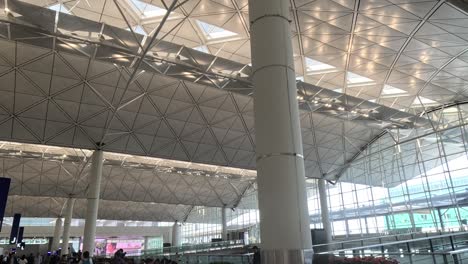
x: 271, y: 65
x: 100, y: 145
x: 269, y: 155
x: 269, y: 15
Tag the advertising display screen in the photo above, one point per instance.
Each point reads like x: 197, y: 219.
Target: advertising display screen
x: 108, y: 247
x: 126, y: 245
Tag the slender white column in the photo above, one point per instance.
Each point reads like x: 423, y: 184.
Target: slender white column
x: 322, y: 188
x: 284, y: 217
x: 67, y: 224
x: 224, y: 224
x: 57, y: 234
x: 145, y: 246
x: 176, y: 241
x: 93, y: 202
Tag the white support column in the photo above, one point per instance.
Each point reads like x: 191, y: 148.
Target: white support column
x: 322, y: 188
x: 57, y: 234
x: 145, y: 246
x: 67, y: 224
x: 224, y: 224
x: 176, y: 241
x: 284, y: 217
x: 93, y: 202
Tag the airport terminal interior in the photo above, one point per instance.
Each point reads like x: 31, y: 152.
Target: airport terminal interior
x: 233, y: 131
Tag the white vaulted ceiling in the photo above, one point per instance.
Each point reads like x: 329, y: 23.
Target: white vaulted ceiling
x: 56, y: 98
x: 50, y: 207
x: 418, y: 47
x: 69, y: 90
x: 43, y: 177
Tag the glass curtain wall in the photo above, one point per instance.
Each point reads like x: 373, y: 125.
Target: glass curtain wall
x: 407, y: 180
x: 413, y: 180
x: 204, y: 224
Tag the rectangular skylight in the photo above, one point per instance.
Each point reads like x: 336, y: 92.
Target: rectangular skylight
x: 356, y: 79
x: 202, y: 48
x: 148, y: 10
x: 139, y: 30
x: 425, y: 101
x: 214, y: 32
x: 317, y: 67
x: 59, y: 8
x: 390, y: 91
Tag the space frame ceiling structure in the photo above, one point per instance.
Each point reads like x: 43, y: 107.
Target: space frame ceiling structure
x: 399, y: 53
x: 73, y: 100
x: 328, y: 141
x: 58, y: 97
x: 43, y: 177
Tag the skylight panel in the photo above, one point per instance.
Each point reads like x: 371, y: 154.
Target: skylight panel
x: 202, y: 48
x: 356, y: 79
x: 214, y: 32
x: 317, y: 67
x: 139, y: 30
x: 148, y: 10
x: 389, y: 90
x: 59, y: 8
x: 425, y: 101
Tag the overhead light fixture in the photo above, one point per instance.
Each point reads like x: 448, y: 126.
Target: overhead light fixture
x: 341, y: 108
x: 327, y: 105
x: 365, y: 115
x: 300, y: 97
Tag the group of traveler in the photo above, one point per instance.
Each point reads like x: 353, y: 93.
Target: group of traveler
x: 12, y: 258
x: 50, y: 258
x: 84, y: 258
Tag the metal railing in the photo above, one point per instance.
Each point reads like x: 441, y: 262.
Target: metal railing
x: 415, y: 249
x: 377, y: 239
x: 189, y: 249
x: 209, y: 258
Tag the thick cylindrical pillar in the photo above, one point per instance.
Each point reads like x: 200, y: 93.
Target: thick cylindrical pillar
x: 223, y: 224
x: 57, y: 234
x: 322, y: 188
x: 284, y: 217
x: 176, y: 241
x: 67, y: 224
x: 94, y: 188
